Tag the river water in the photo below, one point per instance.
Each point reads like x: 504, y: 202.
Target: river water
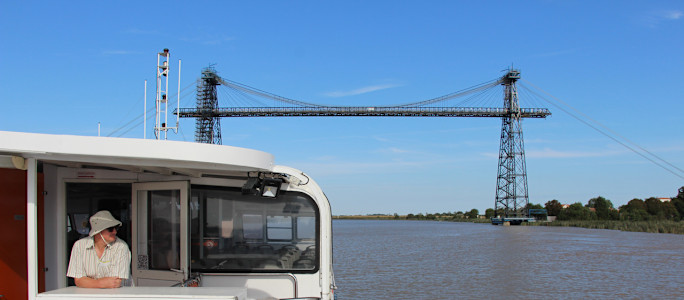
x: 449, y: 260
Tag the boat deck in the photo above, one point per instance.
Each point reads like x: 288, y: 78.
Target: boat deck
x: 225, y: 293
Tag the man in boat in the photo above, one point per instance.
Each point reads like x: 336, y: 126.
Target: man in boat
x: 100, y: 260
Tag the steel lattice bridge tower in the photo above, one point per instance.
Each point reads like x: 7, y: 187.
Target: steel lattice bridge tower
x: 511, y: 180
x: 511, y: 188
x: 208, y: 126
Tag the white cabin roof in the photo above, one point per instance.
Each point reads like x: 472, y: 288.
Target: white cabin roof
x: 142, y: 155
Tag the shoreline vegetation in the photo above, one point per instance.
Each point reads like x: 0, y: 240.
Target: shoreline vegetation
x: 653, y: 215
x: 661, y: 226
x: 418, y: 217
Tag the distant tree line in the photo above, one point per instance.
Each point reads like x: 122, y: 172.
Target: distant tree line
x: 599, y: 208
x: 446, y: 216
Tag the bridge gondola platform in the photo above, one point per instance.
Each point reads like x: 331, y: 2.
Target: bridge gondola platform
x: 506, y: 221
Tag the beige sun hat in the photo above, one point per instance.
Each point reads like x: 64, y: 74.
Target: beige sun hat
x: 102, y: 220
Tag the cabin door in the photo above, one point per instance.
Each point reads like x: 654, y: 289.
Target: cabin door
x: 13, y: 251
x: 160, y: 233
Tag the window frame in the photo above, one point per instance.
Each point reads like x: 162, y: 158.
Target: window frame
x: 200, y: 191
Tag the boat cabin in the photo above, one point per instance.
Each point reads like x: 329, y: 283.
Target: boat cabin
x: 202, y: 221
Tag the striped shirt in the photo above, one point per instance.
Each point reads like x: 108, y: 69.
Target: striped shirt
x: 115, y: 261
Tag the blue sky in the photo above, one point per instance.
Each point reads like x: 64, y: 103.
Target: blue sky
x: 65, y: 66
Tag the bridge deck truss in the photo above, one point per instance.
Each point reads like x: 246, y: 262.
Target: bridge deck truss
x: 362, y: 111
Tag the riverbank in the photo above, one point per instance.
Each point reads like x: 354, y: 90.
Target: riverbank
x: 365, y: 217
x: 635, y: 226
x: 403, y: 217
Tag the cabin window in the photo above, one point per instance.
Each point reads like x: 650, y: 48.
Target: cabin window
x: 279, y: 228
x: 232, y: 232
x: 252, y: 227
x: 163, y: 229
x: 306, y: 227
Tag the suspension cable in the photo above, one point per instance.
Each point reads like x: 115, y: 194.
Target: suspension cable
x: 463, y: 92
x: 258, y: 92
x: 152, y: 109
x: 607, y: 134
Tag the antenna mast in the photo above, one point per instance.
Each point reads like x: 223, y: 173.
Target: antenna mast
x: 162, y: 102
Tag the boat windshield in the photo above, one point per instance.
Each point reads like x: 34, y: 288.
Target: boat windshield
x: 232, y: 232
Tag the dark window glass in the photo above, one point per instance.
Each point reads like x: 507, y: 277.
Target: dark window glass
x: 232, y: 232
x: 163, y: 229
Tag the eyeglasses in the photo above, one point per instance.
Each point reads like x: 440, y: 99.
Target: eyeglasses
x: 111, y: 229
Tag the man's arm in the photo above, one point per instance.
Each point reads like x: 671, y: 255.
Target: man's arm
x: 102, y: 283
x: 122, y: 261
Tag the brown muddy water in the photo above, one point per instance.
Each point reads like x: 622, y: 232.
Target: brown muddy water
x: 448, y: 260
